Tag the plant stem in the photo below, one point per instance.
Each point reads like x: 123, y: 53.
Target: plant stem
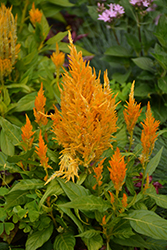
x: 23, y: 15
x: 115, y: 35
x: 131, y: 140
x: 144, y: 167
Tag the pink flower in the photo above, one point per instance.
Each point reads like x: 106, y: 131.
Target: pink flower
x: 104, y: 16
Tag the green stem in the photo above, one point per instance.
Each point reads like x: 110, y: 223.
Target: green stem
x: 115, y: 35
x: 23, y: 15
x: 131, y: 140
x: 144, y: 167
x: 108, y: 246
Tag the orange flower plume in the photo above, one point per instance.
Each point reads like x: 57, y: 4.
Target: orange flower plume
x: 58, y: 57
x: 35, y: 15
x: 87, y: 119
x: 148, y: 136
x: 117, y: 170
x: 39, y: 110
x: 98, y: 174
x: 27, y: 134
x: 132, y: 111
x: 41, y: 152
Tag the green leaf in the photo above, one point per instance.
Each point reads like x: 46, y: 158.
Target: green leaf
x: 156, y: 244
x: 73, y: 190
x: 144, y: 63
x: 94, y: 243
x: 33, y: 215
x: 1, y: 230
x: 23, y: 157
x: 14, y: 198
x: 133, y: 241
x: 57, y: 38
x: 153, y: 163
x: 9, y: 226
x: 71, y: 216
x: 28, y: 185
x: 121, y: 78
x: 64, y: 241
x: 89, y: 233
x: 6, y: 146
x: 162, y: 84
x: 3, y: 214
x: 53, y: 188
x: 37, y: 239
x: 64, y: 3
x: 148, y: 223
x: 160, y: 199
x: 118, y: 51
x: 26, y: 102
x: 89, y: 203
x: 13, y: 132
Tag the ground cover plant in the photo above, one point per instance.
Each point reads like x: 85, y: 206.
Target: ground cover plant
x: 77, y: 158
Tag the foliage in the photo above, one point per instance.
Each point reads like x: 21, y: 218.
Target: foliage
x: 75, y: 173
x: 132, y: 46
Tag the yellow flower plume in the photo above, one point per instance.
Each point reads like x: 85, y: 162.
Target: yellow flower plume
x: 87, y: 119
x: 35, y: 15
x: 149, y: 135
x: 8, y: 38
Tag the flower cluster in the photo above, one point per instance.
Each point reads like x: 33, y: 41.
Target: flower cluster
x: 27, y: 134
x: 35, y: 15
x: 87, y: 119
x: 117, y: 170
x: 132, y: 111
x: 39, y: 109
x: 141, y: 3
x: 58, y: 57
x: 148, y: 136
x: 8, y: 48
x: 114, y: 11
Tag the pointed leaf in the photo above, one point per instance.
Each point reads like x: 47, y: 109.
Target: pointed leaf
x: 160, y: 199
x: 26, y: 102
x: 37, y: 239
x: 14, y: 198
x: 89, y: 233
x: 118, y: 51
x: 12, y: 132
x: 148, y: 223
x: 144, y: 63
x: 153, y: 163
x: 89, y: 203
x: 133, y: 241
x: 28, y: 185
x: 6, y: 146
x: 72, y: 190
x: 94, y: 243
x: 52, y: 188
x: 64, y: 241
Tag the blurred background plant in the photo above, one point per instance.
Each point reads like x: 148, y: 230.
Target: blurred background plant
x: 131, y: 43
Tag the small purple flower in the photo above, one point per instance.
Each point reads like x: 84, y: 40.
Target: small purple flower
x: 104, y: 16
x: 114, y: 11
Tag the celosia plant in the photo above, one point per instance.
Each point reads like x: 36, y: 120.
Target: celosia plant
x: 9, y: 48
x: 87, y: 119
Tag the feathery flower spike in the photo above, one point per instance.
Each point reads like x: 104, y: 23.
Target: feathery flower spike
x: 39, y: 110
x: 27, y: 134
x: 35, y: 15
x: 41, y: 152
x: 148, y: 136
x: 8, y: 48
x: 124, y: 200
x: 87, y: 119
x: 58, y: 57
x: 132, y: 111
x: 112, y: 197
x: 98, y: 174
x: 117, y: 170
